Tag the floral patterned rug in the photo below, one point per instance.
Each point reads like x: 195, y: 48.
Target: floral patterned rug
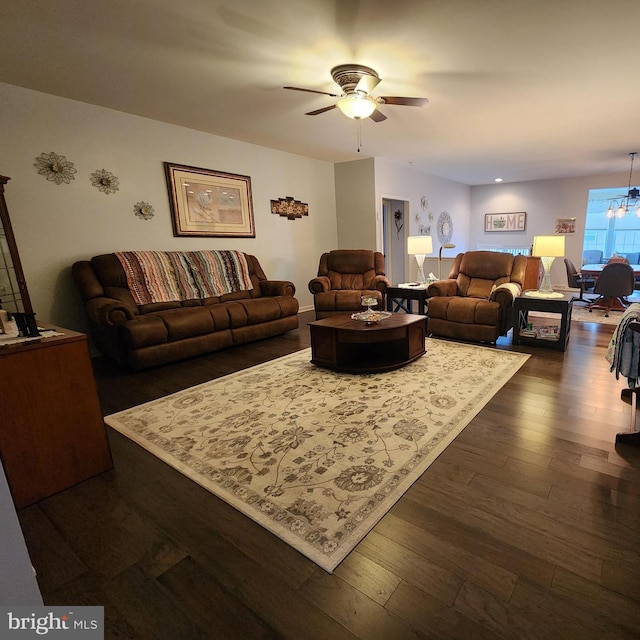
x: 314, y: 456
x: 580, y: 313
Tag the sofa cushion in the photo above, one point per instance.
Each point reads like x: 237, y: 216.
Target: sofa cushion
x: 187, y: 323
x: 220, y: 316
x: 350, y: 268
x: 465, y: 310
x: 144, y: 331
x: 253, y: 311
x: 350, y: 280
x: 167, y: 326
x: 347, y: 301
x: 474, y: 287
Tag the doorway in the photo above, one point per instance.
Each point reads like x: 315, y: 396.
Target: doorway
x: 395, y: 225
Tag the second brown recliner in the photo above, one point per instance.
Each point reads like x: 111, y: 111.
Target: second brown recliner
x: 476, y: 301
x: 344, y: 276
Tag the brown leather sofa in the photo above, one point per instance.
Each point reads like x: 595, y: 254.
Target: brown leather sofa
x: 344, y: 276
x: 142, y: 336
x: 475, y: 302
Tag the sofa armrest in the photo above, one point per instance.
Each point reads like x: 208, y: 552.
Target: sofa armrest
x: 380, y: 283
x: 505, y: 293
x: 442, y: 288
x: 319, y: 284
x: 277, y: 288
x: 107, y: 312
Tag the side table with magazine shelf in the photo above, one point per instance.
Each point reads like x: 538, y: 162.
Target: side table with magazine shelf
x: 401, y: 297
x: 549, y: 323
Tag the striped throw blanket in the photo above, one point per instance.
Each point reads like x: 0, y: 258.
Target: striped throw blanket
x: 219, y: 272
x: 169, y: 276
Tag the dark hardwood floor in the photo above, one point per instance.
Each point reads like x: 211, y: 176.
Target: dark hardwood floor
x: 527, y: 526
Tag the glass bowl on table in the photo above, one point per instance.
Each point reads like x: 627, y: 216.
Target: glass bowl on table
x: 370, y: 316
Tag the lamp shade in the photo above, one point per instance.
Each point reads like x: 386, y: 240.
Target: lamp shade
x: 548, y: 246
x: 357, y: 106
x: 419, y: 245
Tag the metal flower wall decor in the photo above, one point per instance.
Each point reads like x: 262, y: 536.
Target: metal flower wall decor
x: 289, y: 208
x: 55, y: 168
x: 143, y: 210
x: 105, y: 181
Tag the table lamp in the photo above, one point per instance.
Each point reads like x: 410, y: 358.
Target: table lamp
x: 446, y: 245
x: 419, y: 246
x: 547, y: 248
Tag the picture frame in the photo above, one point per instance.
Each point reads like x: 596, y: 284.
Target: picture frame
x: 209, y: 203
x: 565, y: 225
x: 289, y: 208
x: 514, y: 221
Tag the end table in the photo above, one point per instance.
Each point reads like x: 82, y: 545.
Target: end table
x: 556, y: 334
x: 402, y: 297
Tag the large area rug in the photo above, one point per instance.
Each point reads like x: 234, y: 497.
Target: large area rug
x: 317, y: 457
x: 580, y: 313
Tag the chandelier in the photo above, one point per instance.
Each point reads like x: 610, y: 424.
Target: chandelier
x: 620, y: 208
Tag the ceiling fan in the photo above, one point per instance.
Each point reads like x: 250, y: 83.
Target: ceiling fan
x: 355, y: 101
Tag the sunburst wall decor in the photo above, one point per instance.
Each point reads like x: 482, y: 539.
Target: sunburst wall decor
x: 143, y: 210
x: 105, y: 181
x: 55, y: 168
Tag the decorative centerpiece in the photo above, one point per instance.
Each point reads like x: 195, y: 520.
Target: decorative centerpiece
x: 370, y: 316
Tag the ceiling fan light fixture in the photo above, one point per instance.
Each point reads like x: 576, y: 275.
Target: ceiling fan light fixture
x: 357, y: 106
x: 628, y: 202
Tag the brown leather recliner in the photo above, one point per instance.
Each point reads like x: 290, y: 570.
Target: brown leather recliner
x: 475, y: 303
x: 344, y: 276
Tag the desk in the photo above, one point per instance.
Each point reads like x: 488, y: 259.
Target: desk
x: 402, y: 298
x: 594, y: 270
x: 562, y: 307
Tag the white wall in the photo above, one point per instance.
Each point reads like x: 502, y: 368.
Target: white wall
x: 544, y: 201
x: 355, y: 204
x: 406, y: 183
x: 55, y: 225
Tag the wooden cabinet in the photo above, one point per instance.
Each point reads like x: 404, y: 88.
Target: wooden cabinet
x: 52, y: 434
x: 533, y: 274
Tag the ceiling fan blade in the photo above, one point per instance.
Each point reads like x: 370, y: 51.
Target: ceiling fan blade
x: 409, y: 102
x: 367, y: 83
x: 317, y: 111
x: 377, y: 116
x: 324, y: 93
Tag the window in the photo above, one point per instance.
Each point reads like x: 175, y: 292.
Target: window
x: 525, y: 251
x: 615, y: 235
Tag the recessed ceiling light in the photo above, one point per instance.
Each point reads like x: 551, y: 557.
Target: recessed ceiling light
x: 497, y: 179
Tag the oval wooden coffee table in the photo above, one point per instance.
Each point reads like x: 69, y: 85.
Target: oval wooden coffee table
x: 352, y: 346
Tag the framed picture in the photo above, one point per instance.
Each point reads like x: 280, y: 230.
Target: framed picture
x: 565, y: 225
x: 505, y: 221
x: 209, y: 203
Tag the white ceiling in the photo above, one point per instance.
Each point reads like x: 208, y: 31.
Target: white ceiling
x: 523, y: 90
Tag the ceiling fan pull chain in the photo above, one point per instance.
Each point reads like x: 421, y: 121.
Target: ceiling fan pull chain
x: 359, y: 135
